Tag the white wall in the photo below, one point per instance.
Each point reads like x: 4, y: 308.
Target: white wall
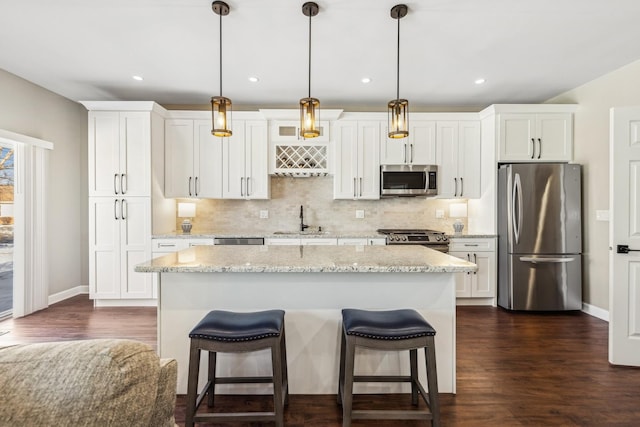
x: 33, y: 111
x: 591, y: 148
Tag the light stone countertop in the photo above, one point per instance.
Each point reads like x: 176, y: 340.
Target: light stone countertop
x: 307, y: 259
x: 471, y: 236
x: 271, y: 235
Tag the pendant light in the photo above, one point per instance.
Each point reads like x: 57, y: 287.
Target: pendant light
x: 398, y: 108
x: 309, y: 107
x: 221, y: 106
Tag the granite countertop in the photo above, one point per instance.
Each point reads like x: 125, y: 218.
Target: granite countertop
x: 272, y: 235
x: 471, y: 236
x: 306, y: 259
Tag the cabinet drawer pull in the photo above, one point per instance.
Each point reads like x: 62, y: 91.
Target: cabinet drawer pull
x: 471, y: 244
x: 166, y: 245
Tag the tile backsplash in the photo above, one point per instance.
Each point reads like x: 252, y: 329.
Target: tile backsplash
x: 320, y: 210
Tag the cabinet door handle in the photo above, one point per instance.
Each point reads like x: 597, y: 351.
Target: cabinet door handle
x: 461, y: 187
x: 355, y: 186
x: 189, y: 186
x: 455, y: 187
x: 123, y: 209
x: 475, y: 261
x: 248, y: 194
x: 360, y: 186
x: 115, y: 183
x: 195, y: 187
x: 242, y: 186
x: 539, y: 147
x: 115, y: 209
x: 411, y: 157
x: 468, y: 259
x: 404, y: 152
x: 470, y: 244
x: 123, y: 183
x: 533, y: 148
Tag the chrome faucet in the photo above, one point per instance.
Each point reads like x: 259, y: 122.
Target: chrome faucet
x: 303, y: 226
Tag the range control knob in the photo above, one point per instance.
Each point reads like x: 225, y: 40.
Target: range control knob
x: 404, y: 238
x: 438, y: 237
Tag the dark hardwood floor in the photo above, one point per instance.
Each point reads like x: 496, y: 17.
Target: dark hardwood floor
x: 514, y: 369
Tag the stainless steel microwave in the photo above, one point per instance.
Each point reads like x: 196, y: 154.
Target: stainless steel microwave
x: 408, y: 180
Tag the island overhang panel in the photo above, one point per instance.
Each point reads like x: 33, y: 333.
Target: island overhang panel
x: 312, y: 284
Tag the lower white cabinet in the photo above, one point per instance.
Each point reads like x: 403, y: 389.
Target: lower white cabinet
x: 362, y: 241
x: 481, y: 284
x: 272, y: 241
x: 120, y: 238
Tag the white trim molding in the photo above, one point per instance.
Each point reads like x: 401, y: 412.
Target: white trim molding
x: 594, y: 311
x: 68, y: 293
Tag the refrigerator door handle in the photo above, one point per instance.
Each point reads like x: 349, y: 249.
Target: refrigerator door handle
x: 534, y: 260
x: 517, y: 198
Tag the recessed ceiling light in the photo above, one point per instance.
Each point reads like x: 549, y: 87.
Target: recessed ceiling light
x: 138, y: 78
x: 254, y: 79
x: 366, y: 80
x: 480, y: 81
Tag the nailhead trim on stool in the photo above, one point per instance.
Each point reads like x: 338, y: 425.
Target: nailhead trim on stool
x: 388, y: 330
x: 230, y: 332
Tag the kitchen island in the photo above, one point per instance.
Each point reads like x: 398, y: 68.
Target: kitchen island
x: 312, y: 284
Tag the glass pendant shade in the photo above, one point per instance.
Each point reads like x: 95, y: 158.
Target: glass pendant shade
x: 309, y: 117
x: 398, y: 118
x: 221, y: 116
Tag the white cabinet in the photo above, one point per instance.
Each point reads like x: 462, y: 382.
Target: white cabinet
x: 244, y: 161
x: 357, y: 160
x: 458, y: 149
x: 288, y: 241
x: 481, y: 284
x: 362, y: 241
x: 193, y: 159
x: 289, y: 131
x: 419, y: 148
x: 119, y: 153
x: 318, y: 241
x: 535, y: 137
x: 120, y: 238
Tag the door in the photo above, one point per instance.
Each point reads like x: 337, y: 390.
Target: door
x: 104, y: 247
x: 624, y: 229
x: 345, y: 161
x: 179, y: 155
x: 545, y: 206
x: 368, y: 183
x: 135, y: 154
x: 207, y: 161
x: 233, y: 163
x: 135, y: 247
x: 469, y: 159
x: 256, y: 160
x: 104, y: 153
x: 554, y: 137
x: 447, y: 152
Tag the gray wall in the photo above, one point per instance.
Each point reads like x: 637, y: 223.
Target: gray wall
x: 591, y: 148
x: 33, y: 111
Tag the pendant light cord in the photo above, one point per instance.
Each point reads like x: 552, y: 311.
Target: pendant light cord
x: 220, y: 54
x: 398, y: 63
x: 310, y: 55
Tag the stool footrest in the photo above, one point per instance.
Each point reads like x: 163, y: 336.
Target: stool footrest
x: 243, y: 380
x: 381, y: 414
x: 237, y: 416
x: 382, y: 378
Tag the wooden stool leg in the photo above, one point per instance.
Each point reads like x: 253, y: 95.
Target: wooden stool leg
x: 278, y: 398
x: 285, y: 375
x: 212, y: 378
x: 343, y: 346
x: 347, y: 390
x: 192, y: 382
x: 413, y: 362
x: 432, y: 381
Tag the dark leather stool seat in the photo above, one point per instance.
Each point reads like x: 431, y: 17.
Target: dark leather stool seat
x: 388, y: 330
x: 232, y: 332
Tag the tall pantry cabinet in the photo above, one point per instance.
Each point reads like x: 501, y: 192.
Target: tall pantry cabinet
x: 126, y: 153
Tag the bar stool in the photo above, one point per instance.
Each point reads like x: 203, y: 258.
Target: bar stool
x: 388, y: 330
x: 231, y: 332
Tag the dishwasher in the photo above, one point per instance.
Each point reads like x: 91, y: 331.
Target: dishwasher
x: 235, y: 241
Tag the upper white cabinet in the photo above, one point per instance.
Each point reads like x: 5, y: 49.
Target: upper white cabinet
x: 119, y: 153
x: 419, y: 148
x: 193, y: 159
x: 459, y: 162
x: 289, y: 131
x: 245, y: 172
x: 357, y: 160
x: 535, y: 137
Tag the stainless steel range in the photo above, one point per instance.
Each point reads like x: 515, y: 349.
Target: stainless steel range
x: 430, y: 238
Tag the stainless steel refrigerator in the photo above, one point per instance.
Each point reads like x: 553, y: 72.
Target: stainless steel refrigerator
x: 539, y: 237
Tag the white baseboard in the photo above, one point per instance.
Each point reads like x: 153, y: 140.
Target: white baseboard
x: 125, y: 303
x: 61, y: 296
x: 595, y: 311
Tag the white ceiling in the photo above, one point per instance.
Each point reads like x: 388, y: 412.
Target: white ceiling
x: 527, y: 50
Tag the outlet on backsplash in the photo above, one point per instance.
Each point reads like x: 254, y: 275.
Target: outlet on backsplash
x: 359, y: 213
x: 439, y: 213
x: 264, y: 214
